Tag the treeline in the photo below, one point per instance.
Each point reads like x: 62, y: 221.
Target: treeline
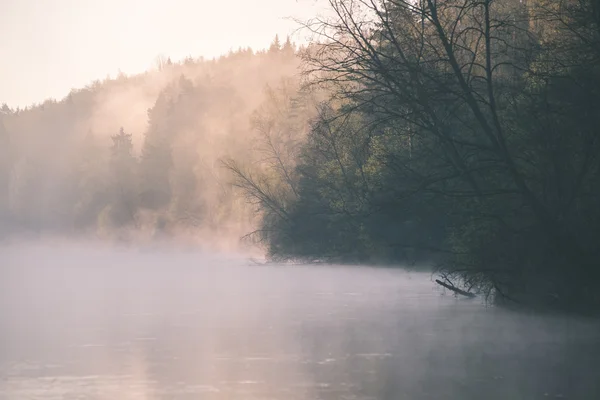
x: 461, y: 132
x: 140, y: 157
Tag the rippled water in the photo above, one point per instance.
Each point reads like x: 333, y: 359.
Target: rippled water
x: 83, y: 323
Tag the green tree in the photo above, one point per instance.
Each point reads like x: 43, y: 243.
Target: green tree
x: 156, y: 160
x: 275, y: 46
x: 90, y: 180
x: 269, y: 179
x: 5, y: 172
x: 289, y: 48
x: 123, y: 190
x: 470, y: 123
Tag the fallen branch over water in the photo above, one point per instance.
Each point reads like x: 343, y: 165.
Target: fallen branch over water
x: 454, y: 289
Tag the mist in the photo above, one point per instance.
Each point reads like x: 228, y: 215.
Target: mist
x: 63, y: 173
x: 401, y: 205
x: 99, y: 323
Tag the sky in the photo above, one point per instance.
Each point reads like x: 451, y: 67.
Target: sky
x: 49, y: 47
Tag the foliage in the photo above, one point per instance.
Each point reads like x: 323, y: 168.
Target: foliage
x: 138, y: 156
x: 459, y: 132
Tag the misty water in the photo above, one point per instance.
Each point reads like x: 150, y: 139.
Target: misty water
x: 94, y: 323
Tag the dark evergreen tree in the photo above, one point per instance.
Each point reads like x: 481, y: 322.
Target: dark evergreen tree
x: 123, y: 190
x: 90, y: 181
x: 156, y: 160
x: 5, y: 171
x: 275, y: 46
x: 288, y: 49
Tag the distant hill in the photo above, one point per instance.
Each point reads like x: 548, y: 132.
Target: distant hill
x: 139, y: 155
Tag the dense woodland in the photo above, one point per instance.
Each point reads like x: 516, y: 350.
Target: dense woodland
x: 459, y: 132
x: 139, y: 158
x: 462, y: 133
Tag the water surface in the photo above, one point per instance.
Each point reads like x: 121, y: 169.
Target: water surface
x: 93, y: 323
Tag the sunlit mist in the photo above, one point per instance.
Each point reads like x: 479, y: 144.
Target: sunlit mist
x: 62, y: 44
x: 299, y: 199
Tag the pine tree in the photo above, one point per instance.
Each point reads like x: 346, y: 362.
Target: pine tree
x: 275, y: 45
x: 157, y: 158
x: 5, y: 109
x: 289, y: 49
x: 122, y: 175
x: 4, y: 172
x: 90, y: 181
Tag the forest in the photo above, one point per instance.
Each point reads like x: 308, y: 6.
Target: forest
x: 458, y: 133
x: 138, y: 158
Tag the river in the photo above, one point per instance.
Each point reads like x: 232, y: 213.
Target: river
x: 82, y: 322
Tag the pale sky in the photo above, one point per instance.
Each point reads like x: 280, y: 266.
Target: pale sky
x: 48, y: 47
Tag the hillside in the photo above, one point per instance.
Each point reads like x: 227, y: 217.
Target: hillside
x: 139, y: 156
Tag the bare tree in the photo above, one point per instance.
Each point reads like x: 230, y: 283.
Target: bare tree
x: 469, y: 83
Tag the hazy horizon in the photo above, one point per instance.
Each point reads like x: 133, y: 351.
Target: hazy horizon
x: 74, y: 43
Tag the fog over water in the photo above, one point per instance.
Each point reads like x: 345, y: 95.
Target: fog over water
x: 83, y: 322
x: 155, y: 154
